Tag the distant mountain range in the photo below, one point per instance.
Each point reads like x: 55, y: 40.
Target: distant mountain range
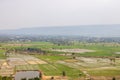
x: 83, y: 30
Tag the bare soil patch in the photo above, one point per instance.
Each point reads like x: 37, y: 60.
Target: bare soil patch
x: 73, y: 50
x: 117, y: 52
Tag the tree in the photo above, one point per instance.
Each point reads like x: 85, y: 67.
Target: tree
x: 4, y: 78
x: 23, y: 79
x: 73, y: 54
x: 9, y: 78
x: 0, y: 77
x: 113, y: 78
x: 63, y: 73
x: 36, y: 78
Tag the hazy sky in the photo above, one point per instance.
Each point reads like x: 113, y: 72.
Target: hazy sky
x: 30, y: 13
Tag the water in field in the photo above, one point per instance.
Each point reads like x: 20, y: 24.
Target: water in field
x: 26, y: 74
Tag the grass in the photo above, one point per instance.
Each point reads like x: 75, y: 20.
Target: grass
x: 2, y: 56
x: 27, y: 67
x: 106, y: 72
x: 99, y: 48
x: 57, y: 69
x: 52, y: 69
x: 102, y: 49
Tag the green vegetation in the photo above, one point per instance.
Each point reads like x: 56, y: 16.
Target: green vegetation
x: 106, y: 72
x: 102, y: 49
x: 2, y: 55
x: 27, y: 67
x: 54, y: 68
x: 5, y: 78
x: 57, y: 69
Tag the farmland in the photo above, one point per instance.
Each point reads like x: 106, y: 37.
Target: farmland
x: 79, y: 60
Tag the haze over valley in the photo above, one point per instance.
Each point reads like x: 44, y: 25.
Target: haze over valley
x: 83, y: 30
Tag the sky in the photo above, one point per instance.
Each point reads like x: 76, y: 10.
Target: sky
x: 16, y: 14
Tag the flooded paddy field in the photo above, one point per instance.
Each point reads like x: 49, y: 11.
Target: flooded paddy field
x: 26, y: 75
x: 96, y: 68
x: 15, y: 61
x: 88, y: 61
